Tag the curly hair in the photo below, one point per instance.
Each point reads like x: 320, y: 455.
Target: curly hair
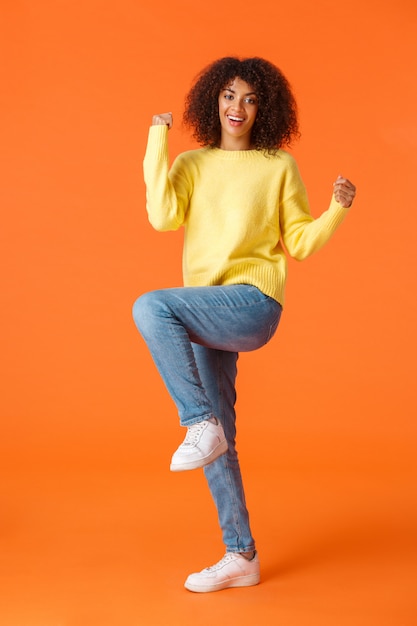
x: 276, y: 122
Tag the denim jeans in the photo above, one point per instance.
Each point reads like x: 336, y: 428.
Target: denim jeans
x: 194, y: 335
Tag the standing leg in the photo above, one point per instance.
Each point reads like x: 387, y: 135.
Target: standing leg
x: 217, y: 369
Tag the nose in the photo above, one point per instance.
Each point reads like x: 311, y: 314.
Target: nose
x: 238, y: 105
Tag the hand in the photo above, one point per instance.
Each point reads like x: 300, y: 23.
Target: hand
x: 344, y: 191
x: 163, y: 119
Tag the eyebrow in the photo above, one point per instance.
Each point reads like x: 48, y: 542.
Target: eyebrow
x: 250, y: 93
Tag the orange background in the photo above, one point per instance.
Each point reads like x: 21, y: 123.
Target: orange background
x: 94, y: 530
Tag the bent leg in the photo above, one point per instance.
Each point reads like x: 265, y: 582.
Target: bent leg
x: 232, y: 318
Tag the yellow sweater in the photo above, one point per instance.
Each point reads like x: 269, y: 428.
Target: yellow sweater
x: 238, y: 208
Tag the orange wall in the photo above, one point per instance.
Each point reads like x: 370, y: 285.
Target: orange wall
x: 80, y: 81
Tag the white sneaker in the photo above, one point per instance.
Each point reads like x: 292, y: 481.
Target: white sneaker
x: 233, y: 570
x: 202, y: 445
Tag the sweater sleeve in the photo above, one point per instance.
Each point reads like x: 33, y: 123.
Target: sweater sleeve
x: 301, y: 233
x: 166, y: 202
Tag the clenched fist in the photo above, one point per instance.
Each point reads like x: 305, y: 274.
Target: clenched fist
x: 344, y: 191
x: 163, y: 119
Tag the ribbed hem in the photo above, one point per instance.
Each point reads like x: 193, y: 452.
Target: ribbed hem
x: 269, y: 279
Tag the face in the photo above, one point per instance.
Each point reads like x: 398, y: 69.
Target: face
x: 238, y: 106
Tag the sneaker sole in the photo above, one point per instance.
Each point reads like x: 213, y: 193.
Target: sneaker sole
x: 197, y: 463
x: 243, y: 581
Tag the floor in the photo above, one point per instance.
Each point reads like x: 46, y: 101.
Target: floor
x: 96, y: 545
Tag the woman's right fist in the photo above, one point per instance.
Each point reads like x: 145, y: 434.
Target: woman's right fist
x: 163, y: 119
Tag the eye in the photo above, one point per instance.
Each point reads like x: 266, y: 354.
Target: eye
x: 250, y: 101
x: 228, y: 96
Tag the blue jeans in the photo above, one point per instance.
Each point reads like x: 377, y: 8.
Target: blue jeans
x: 194, y: 335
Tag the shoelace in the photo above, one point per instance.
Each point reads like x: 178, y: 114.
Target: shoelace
x: 229, y: 556
x: 193, y: 434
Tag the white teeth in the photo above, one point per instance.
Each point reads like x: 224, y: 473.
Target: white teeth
x: 235, y: 119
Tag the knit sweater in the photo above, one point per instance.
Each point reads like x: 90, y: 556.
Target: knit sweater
x: 238, y: 208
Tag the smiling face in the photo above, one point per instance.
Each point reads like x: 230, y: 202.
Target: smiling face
x: 238, y: 106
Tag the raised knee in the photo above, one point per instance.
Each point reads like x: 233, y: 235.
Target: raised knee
x: 145, y: 309
x: 140, y: 308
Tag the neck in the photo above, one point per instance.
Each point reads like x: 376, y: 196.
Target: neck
x: 235, y: 143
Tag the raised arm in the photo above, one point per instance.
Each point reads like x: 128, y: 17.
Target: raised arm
x: 166, y: 204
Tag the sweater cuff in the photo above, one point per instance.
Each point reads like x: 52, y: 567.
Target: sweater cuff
x: 338, y: 212
x: 157, y: 142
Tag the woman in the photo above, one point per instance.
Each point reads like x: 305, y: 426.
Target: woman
x: 240, y: 198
